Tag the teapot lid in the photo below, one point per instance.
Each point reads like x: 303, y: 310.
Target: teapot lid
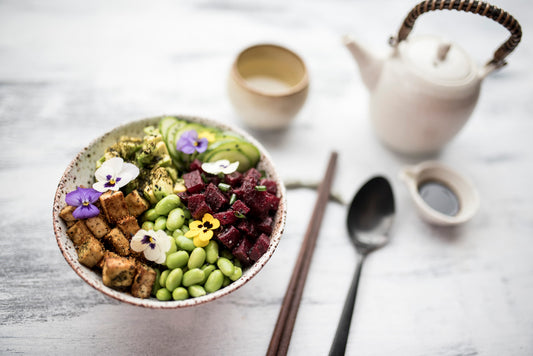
x: 438, y: 60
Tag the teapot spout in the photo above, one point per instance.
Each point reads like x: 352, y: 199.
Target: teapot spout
x: 370, y: 65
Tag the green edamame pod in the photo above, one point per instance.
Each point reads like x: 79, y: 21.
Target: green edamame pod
x: 174, y: 279
x: 185, y: 243
x: 175, y: 219
x: 180, y: 293
x: 225, y: 266
x: 163, y: 294
x: 196, y: 291
x: 211, y: 251
x: 165, y: 205
x: 147, y: 225
x: 197, y: 258
x: 150, y: 215
x: 163, y: 277
x: 237, y: 273
x: 214, y: 281
x: 160, y: 223
x: 177, y: 259
x: 192, y: 276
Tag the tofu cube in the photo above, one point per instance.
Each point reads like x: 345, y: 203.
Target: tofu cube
x: 129, y: 226
x: 143, y: 282
x: 136, y: 203
x: 79, y: 233
x: 118, y: 272
x: 90, y: 252
x: 98, y: 226
x: 118, y: 241
x: 114, y: 206
x: 66, y: 214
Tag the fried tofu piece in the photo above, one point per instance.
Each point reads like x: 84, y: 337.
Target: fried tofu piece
x: 118, y: 241
x: 79, y: 233
x: 91, y: 252
x: 114, y: 206
x: 98, y: 226
x: 129, y: 226
x: 136, y: 203
x: 144, y: 281
x: 117, y: 271
x: 66, y: 214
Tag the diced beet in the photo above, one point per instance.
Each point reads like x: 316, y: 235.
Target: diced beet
x: 259, y: 248
x: 214, y: 197
x: 196, y: 164
x: 230, y: 237
x: 272, y: 201
x: 258, y: 204
x: 270, y: 185
x: 265, y: 225
x: 233, y: 179
x: 201, y: 210
x: 240, y: 207
x: 193, y: 181
x: 213, y: 179
x: 241, y: 252
x: 194, y: 201
x: 226, y: 217
x: 253, y: 173
x: 184, y: 196
x: 247, y: 228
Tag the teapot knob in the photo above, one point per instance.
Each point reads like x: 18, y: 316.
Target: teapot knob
x: 442, y: 51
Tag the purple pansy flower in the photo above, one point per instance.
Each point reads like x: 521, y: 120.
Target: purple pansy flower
x: 83, y: 198
x: 189, y: 143
x: 114, y: 174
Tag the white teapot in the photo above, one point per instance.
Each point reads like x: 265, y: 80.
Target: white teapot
x: 423, y: 93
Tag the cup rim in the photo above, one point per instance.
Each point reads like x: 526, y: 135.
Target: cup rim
x: 294, y: 89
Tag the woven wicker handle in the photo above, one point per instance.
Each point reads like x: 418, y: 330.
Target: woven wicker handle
x: 476, y: 7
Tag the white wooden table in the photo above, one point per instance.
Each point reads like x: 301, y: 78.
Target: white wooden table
x: 72, y: 70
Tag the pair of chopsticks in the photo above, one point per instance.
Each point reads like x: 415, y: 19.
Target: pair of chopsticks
x: 281, y: 337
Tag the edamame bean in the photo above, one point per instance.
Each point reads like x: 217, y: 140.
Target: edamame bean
x: 165, y: 205
x: 196, y: 291
x: 226, y: 254
x: 211, y: 251
x: 197, y: 258
x: 174, y: 279
x: 214, y: 281
x: 150, y: 215
x: 160, y: 223
x: 207, y: 271
x: 237, y: 273
x: 175, y: 219
x: 185, y: 228
x: 156, y: 285
x: 147, y: 225
x: 226, y: 282
x: 163, y: 277
x: 180, y: 293
x: 225, y: 266
x: 185, y: 243
x: 173, y: 247
x: 163, y: 294
x: 177, y: 259
x: 187, y: 214
x: 192, y: 276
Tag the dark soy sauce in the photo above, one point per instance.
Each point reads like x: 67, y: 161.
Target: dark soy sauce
x: 439, y: 197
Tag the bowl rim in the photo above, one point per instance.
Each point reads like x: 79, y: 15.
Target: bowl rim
x: 248, y: 274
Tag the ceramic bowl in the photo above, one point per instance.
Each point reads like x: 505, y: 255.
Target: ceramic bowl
x: 81, y: 171
x: 268, y: 85
x: 456, y: 185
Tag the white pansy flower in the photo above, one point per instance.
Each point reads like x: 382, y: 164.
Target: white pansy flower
x: 114, y: 174
x: 154, y: 244
x: 221, y: 166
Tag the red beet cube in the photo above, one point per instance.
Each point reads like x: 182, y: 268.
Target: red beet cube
x: 193, y: 181
x: 241, y: 252
x: 184, y: 196
x: 194, y: 201
x: 240, y: 207
x: 247, y: 227
x: 270, y: 185
x: 233, y: 179
x: 214, y: 197
x: 272, y: 201
x: 195, y: 165
x: 252, y: 172
x: 229, y: 237
x: 226, y: 217
x: 259, y: 248
x: 265, y: 225
x: 201, y: 210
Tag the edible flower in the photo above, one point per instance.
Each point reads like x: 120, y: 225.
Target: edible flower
x: 221, y: 166
x: 114, y: 174
x: 207, y: 135
x: 189, y: 143
x: 202, y: 231
x: 154, y: 244
x: 83, y: 198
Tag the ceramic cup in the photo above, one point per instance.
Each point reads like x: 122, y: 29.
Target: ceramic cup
x: 268, y: 86
x: 442, y: 196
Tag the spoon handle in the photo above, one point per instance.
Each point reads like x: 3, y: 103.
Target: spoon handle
x: 338, y: 347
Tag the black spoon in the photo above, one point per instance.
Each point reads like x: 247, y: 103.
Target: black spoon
x: 369, y: 220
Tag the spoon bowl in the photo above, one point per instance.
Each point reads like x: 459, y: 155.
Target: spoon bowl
x: 369, y: 220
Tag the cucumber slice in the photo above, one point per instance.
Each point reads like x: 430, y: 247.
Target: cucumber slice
x: 244, y: 147
x: 170, y: 140
x: 232, y: 156
x: 164, y: 124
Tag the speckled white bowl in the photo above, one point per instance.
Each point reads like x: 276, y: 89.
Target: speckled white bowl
x: 81, y: 172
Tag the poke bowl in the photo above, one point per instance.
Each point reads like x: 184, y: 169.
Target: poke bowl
x: 169, y: 212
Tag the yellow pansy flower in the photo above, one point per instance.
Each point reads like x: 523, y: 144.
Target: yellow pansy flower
x: 202, y: 231
x: 207, y: 135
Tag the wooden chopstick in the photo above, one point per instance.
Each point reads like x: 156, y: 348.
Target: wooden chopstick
x: 281, y: 337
